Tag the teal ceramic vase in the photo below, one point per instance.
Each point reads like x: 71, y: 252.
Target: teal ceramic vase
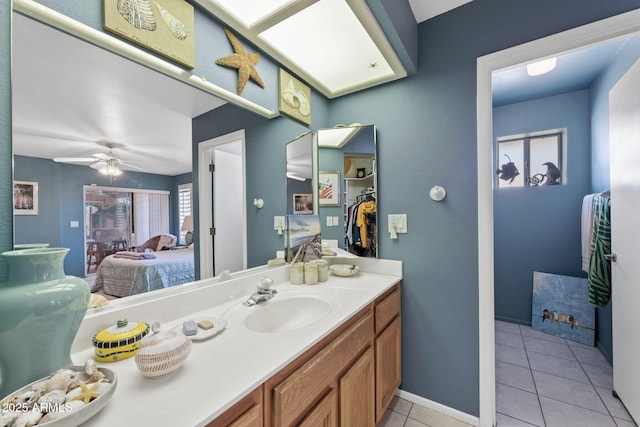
x: 41, y: 309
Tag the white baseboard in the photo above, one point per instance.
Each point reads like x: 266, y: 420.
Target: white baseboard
x: 438, y: 407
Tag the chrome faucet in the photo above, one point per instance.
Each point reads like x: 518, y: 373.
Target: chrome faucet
x: 263, y: 292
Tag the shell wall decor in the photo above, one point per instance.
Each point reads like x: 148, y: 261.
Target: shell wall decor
x: 138, y: 13
x: 164, y: 26
x: 295, y: 98
x: 177, y: 28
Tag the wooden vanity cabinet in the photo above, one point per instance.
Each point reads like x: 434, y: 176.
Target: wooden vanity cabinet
x: 388, y: 349
x: 347, y: 379
x: 248, y: 412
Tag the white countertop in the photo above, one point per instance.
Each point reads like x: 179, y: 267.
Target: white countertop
x: 222, y: 370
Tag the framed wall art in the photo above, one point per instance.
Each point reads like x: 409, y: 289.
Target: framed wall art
x: 329, y: 188
x: 25, y: 198
x: 294, y: 98
x: 302, y: 204
x: 164, y: 26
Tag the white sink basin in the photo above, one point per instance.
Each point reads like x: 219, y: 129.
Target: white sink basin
x: 286, y: 314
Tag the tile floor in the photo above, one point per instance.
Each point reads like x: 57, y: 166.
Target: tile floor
x: 541, y: 380
x: 547, y: 381
x: 402, y: 413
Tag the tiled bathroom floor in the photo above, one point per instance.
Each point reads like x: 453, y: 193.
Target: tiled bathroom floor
x: 541, y: 380
x: 547, y: 381
x: 402, y: 413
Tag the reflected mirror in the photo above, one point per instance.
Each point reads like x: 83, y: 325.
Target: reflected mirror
x: 347, y: 161
x: 301, y: 179
x: 85, y: 98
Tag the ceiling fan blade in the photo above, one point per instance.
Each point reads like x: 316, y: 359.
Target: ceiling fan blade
x: 73, y: 159
x: 98, y: 165
x: 102, y: 156
x: 131, y: 166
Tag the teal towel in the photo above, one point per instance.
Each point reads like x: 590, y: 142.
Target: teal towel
x: 599, y: 279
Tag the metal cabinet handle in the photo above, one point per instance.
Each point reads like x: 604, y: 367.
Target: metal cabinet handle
x: 611, y: 257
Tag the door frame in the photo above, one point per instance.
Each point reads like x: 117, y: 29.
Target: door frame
x: 619, y: 26
x: 205, y: 200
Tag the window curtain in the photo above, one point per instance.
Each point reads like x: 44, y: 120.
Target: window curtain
x: 150, y: 215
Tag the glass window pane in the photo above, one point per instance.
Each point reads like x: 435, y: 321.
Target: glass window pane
x: 510, y: 164
x: 544, y: 165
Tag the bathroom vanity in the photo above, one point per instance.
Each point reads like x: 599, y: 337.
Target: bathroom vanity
x: 325, y: 354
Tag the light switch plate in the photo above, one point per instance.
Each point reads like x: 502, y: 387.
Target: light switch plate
x: 74, y: 224
x: 399, y: 220
x: 278, y: 222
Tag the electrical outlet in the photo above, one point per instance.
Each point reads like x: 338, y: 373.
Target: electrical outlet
x: 400, y: 222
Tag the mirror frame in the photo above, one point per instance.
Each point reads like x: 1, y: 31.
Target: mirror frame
x: 341, y: 144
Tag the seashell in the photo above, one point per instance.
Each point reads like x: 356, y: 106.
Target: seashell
x: 176, y: 27
x: 91, y: 369
x: 162, y: 353
x: 52, y: 399
x: 28, y: 419
x: 138, y: 13
x: 26, y: 399
x: 62, y: 412
x: 61, y: 380
x: 8, y: 417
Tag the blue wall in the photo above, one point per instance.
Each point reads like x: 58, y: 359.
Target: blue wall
x: 60, y: 189
x: 265, y: 165
x: 426, y: 136
x: 538, y: 228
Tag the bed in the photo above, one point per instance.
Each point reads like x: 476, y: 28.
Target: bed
x: 122, y: 277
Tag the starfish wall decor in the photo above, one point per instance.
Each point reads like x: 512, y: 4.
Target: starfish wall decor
x: 241, y: 60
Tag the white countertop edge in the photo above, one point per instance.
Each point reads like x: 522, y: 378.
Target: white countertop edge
x: 252, y: 361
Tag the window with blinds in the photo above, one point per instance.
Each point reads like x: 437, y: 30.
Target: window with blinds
x: 184, y: 208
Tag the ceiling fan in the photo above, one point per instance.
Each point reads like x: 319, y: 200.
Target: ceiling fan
x: 105, y: 163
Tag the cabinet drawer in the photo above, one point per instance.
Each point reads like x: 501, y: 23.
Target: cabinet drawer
x: 387, y: 309
x: 294, y: 397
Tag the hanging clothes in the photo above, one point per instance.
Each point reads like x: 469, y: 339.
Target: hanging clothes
x: 599, y: 279
x: 364, y: 208
x: 586, y: 230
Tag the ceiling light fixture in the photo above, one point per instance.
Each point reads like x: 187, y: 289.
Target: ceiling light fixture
x: 111, y: 168
x: 338, y: 136
x: 541, y: 67
x: 295, y: 176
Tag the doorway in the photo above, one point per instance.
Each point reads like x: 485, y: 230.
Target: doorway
x: 616, y: 27
x: 222, y: 212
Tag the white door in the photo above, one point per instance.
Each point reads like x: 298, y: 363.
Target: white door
x: 624, y: 133
x: 221, y: 201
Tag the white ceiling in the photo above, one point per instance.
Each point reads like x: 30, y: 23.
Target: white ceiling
x: 71, y: 98
x: 427, y: 9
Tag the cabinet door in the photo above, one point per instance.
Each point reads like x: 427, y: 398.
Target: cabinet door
x: 388, y: 365
x: 248, y: 412
x: 357, y: 396
x: 325, y: 413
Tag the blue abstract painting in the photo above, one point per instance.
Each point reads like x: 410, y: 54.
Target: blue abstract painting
x: 560, y: 307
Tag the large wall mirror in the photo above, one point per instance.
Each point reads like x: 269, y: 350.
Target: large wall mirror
x: 348, y: 187
x: 302, y: 188
x: 60, y: 111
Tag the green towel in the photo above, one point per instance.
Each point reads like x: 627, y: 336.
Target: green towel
x: 600, y: 268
